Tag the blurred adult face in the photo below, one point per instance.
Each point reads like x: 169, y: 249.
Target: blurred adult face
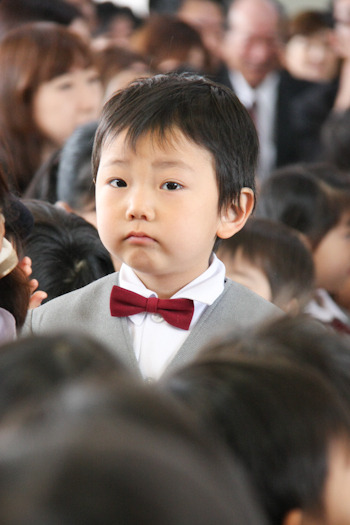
x: 208, y: 18
x: 312, y: 57
x: 252, y: 42
x: 66, y: 102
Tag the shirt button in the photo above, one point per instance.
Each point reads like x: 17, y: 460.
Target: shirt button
x: 157, y: 318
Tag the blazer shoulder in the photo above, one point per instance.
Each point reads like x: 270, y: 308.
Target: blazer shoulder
x: 241, y: 300
x: 71, y: 308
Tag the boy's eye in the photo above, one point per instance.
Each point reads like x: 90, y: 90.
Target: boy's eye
x: 118, y: 183
x: 171, y: 186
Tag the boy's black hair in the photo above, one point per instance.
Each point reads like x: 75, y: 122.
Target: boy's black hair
x: 66, y: 250
x: 280, y: 254
x: 208, y: 114
x: 312, y: 198
x: 278, y: 419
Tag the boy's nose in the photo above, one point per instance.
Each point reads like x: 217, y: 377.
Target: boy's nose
x: 140, y: 206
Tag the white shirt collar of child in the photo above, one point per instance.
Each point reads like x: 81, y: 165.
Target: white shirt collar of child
x: 323, y: 308
x: 155, y: 341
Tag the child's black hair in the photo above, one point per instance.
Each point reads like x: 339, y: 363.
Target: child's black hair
x: 299, y: 340
x: 312, y: 198
x: 66, y: 250
x: 280, y: 254
x: 279, y: 420
x: 208, y: 114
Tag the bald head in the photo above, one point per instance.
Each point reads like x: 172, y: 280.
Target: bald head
x: 253, y: 39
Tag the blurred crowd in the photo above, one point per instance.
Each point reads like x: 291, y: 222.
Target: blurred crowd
x: 255, y: 429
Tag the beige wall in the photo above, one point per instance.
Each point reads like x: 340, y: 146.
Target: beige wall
x: 298, y: 5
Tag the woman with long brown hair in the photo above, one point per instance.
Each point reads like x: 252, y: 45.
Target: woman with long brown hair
x: 48, y: 87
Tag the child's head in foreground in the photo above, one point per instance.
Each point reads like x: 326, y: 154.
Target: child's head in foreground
x: 305, y: 343
x: 315, y: 200
x: 115, y: 452
x: 174, y: 161
x: 286, y: 424
x: 273, y: 261
x: 299, y: 340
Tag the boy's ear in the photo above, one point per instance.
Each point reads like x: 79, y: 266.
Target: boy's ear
x: 234, y: 217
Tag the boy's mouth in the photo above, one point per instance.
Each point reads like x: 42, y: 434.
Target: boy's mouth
x: 139, y: 238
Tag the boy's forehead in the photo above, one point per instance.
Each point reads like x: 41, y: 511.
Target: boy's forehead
x: 169, y: 138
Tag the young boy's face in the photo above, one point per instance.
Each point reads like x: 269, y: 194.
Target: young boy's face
x: 157, y: 209
x: 332, y: 257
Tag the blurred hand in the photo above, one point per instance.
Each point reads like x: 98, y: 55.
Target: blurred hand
x: 37, y: 295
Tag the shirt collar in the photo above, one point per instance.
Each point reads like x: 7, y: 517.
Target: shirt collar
x: 324, y: 308
x: 205, y: 289
x: 246, y: 93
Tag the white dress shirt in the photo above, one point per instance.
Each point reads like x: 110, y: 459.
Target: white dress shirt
x: 323, y: 308
x: 155, y: 341
x: 265, y: 98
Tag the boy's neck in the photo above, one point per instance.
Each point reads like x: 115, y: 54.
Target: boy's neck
x: 166, y: 286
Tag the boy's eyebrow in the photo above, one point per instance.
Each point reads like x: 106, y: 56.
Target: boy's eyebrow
x: 114, y: 161
x: 171, y: 164
x: 159, y: 164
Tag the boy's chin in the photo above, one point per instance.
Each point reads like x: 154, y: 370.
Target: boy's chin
x: 141, y: 263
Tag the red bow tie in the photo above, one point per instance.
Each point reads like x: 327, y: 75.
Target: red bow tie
x: 339, y: 326
x: 177, y: 312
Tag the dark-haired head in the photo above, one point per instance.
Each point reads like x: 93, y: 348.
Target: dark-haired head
x: 118, y: 452
x: 33, y: 368
x: 14, y: 13
x: 280, y: 256
x: 299, y: 340
x: 207, y: 114
x: 65, y: 250
x: 282, y: 422
x: 311, y: 198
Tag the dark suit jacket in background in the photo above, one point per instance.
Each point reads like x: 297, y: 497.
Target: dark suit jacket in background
x: 301, y: 109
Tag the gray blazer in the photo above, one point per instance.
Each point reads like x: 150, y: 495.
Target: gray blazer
x: 87, y: 310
